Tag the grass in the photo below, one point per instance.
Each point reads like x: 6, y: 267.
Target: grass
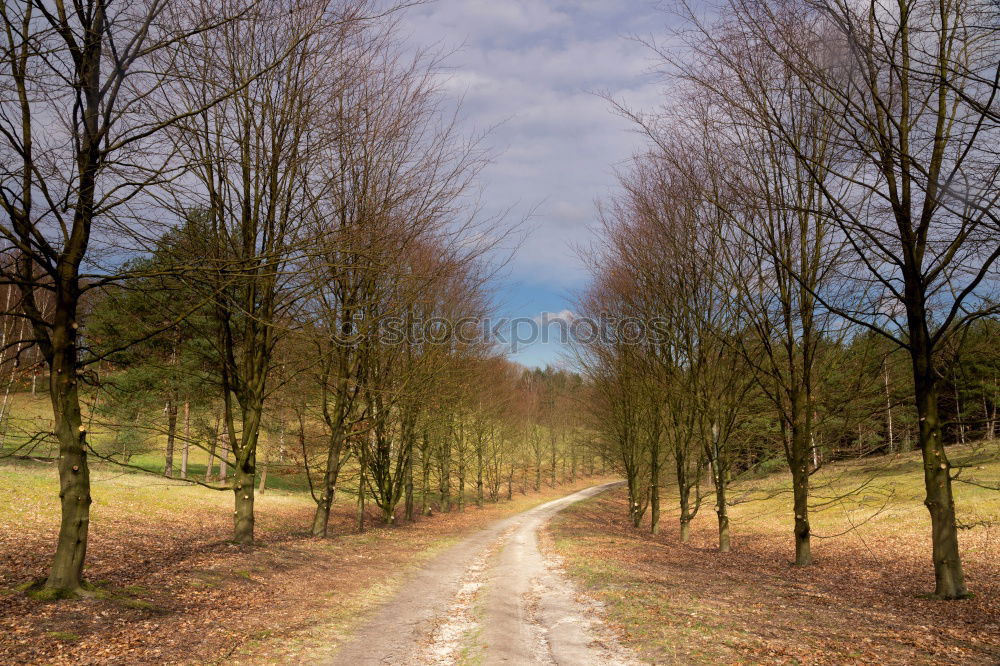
x: 885, y: 492
x: 864, y: 599
x: 167, y: 586
x: 27, y: 488
x: 28, y: 416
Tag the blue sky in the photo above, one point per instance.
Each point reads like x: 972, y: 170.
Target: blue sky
x: 533, y: 67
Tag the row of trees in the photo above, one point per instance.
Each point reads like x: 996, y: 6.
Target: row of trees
x: 811, y: 247
x: 254, y: 211
x: 414, y: 429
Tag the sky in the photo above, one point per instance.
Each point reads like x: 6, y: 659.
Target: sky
x: 532, y: 71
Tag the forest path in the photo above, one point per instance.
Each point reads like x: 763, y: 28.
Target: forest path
x: 494, y: 598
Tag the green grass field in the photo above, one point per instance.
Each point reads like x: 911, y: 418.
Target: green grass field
x: 28, y: 418
x: 882, y: 495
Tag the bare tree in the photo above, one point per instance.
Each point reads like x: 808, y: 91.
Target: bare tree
x: 80, y: 149
x: 914, y: 192
x: 255, y: 158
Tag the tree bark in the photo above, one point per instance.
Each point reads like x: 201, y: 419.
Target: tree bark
x: 718, y: 466
x: 888, y: 411
x: 66, y: 573
x: 211, y: 456
x: 243, y: 490
x: 684, y: 493
x: 552, y: 445
x: 538, y: 473
x: 408, y: 502
x: 168, y: 463
x: 722, y: 512
x: 479, y: 473
x: 636, y: 504
x: 800, y: 499
x: 361, y: 494
x: 224, y: 457
x: 425, y: 469
x: 321, y: 519
x: 445, y: 481
x: 187, y: 439
x: 654, y: 486
x: 948, y: 575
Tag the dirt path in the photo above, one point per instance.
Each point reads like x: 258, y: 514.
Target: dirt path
x: 494, y: 598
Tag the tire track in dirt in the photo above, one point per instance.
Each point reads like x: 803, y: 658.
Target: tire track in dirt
x: 456, y: 632
x: 534, y: 613
x: 493, y: 598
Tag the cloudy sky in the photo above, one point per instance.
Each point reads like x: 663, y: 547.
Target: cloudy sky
x: 533, y: 68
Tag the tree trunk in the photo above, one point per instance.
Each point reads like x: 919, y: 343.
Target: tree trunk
x: 948, y: 575
x: 211, y: 454
x: 552, y: 470
x: 719, y: 467
x: 479, y: 474
x: 243, y: 490
x: 800, y: 498
x: 888, y: 411
x: 168, y: 463
x: 66, y: 574
x: 187, y: 439
x: 244, y: 451
x: 361, y: 495
x: 958, y: 409
x: 635, y: 507
x: 408, y: 507
x: 684, y: 495
x: 425, y: 469
x: 263, y: 479
x: 722, y: 512
x: 988, y: 431
x: 685, y: 526
x: 445, y: 481
x: 991, y: 430
x: 637, y: 485
x: 654, y: 486
x: 797, y: 437
x: 224, y: 457
x: 321, y: 518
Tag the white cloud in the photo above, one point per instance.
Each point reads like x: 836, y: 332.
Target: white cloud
x: 564, y: 317
x: 488, y: 20
x: 534, y: 66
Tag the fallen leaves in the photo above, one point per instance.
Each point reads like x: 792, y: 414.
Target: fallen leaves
x: 673, y: 602
x: 171, y: 590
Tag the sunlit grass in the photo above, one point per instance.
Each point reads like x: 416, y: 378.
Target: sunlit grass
x: 866, y: 596
x: 884, y: 494
x: 28, y: 494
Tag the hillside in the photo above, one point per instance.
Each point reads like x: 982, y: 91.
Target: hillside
x: 863, y: 601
